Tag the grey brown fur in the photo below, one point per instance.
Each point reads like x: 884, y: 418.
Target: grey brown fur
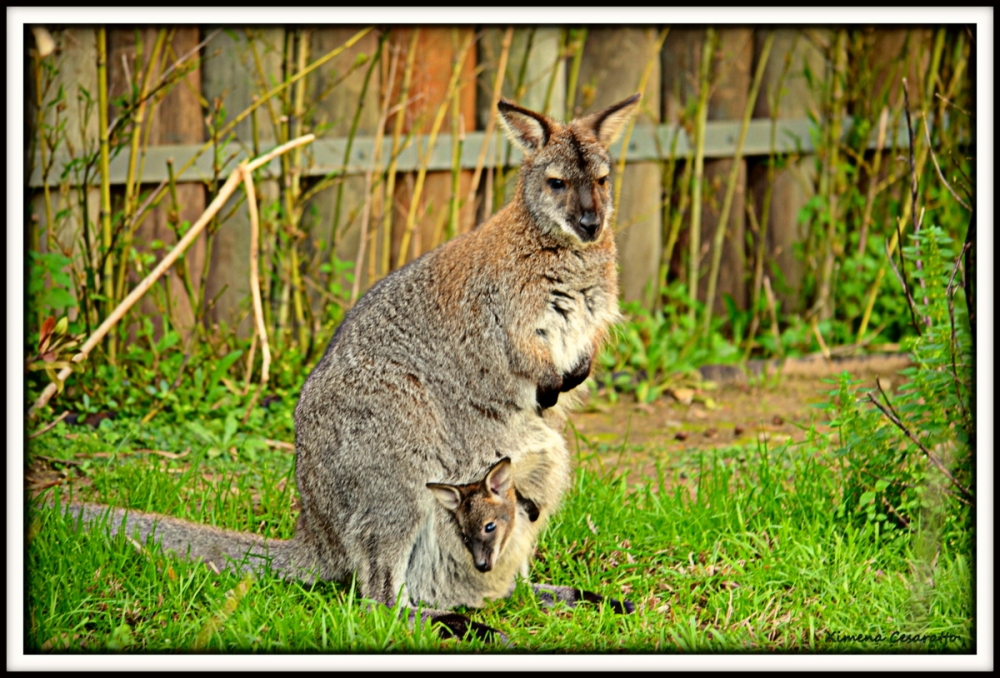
x: 443, y: 368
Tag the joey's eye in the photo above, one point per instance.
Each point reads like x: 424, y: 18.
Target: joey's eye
x: 603, y: 180
x: 490, y: 527
x: 556, y: 184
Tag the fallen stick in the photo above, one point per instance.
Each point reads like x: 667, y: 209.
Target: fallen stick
x: 227, y: 189
x: 49, y: 426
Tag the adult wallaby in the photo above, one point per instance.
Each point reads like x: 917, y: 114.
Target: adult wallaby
x: 441, y: 369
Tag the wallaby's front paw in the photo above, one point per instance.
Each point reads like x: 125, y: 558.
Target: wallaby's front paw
x: 547, y: 395
x: 577, y: 375
x: 456, y: 625
x: 530, y: 507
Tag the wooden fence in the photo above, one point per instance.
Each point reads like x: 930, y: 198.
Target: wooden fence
x: 409, y: 153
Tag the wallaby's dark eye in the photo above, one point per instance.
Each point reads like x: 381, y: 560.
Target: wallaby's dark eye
x: 490, y: 527
x: 603, y: 180
x: 557, y: 184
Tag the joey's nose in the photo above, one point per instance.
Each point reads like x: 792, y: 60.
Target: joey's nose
x: 589, y: 223
x: 483, y: 565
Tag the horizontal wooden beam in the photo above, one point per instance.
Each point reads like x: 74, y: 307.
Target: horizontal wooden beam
x: 326, y: 155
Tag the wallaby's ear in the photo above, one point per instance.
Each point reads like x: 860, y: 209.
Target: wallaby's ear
x: 498, y: 480
x: 447, y: 495
x: 527, y: 129
x: 609, y: 123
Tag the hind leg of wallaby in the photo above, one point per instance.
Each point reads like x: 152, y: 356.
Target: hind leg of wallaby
x: 572, y: 596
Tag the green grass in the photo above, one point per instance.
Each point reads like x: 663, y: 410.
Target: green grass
x: 746, y: 554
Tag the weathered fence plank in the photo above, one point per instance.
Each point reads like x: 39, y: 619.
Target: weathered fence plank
x: 75, y: 59
x: 730, y: 83
x: 609, y: 54
x: 176, y: 118
x: 795, y: 182
x: 230, y: 79
x: 646, y: 144
x: 332, y: 217
x: 437, y: 51
x: 728, y: 102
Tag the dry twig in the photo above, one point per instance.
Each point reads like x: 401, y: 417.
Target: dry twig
x: 49, y: 426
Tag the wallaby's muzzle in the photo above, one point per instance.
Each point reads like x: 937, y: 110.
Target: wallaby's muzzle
x: 483, y: 558
x: 588, y: 226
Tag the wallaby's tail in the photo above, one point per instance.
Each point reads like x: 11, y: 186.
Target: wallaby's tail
x: 218, y: 548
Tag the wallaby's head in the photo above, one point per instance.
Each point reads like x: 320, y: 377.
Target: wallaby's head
x: 484, y: 511
x: 564, y: 177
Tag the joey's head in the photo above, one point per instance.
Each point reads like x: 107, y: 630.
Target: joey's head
x: 565, y: 176
x: 484, y: 512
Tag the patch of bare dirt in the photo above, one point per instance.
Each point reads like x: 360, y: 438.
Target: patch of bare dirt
x: 734, y: 408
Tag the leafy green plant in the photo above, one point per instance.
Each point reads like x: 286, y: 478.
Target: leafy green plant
x: 49, y: 284
x: 55, y: 349
x: 910, y: 452
x: 654, y: 350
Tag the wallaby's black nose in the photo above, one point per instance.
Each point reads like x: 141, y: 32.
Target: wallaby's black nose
x: 483, y: 566
x: 589, y: 223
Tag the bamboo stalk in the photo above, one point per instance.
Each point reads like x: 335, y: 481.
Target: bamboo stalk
x: 432, y: 138
x: 397, y: 132
x: 502, y: 174
x: 46, y: 160
x: 107, y: 277
x: 522, y: 72
x: 772, y: 307
x: 765, y: 212
x: 457, y: 130
x: 355, y: 122
x: 173, y: 218
x: 694, y: 250
x: 873, y: 293
x: 866, y: 218
x: 643, y: 81
x: 727, y: 202
x: 574, y: 73
x: 116, y: 315
x: 671, y: 218
x: 508, y: 37
x: 250, y: 356
x: 201, y: 308
x: 376, y: 157
x: 560, y: 55
x: 133, y: 174
x: 824, y: 297
x: 262, y: 83
x: 295, y: 213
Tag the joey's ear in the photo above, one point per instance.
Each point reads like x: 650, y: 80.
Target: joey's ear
x: 447, y: 495
x: 499, y: 478
x: 527, y: 129
x: 609, y: 123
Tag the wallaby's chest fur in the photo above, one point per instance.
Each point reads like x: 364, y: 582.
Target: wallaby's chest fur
x: 537, y: 290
